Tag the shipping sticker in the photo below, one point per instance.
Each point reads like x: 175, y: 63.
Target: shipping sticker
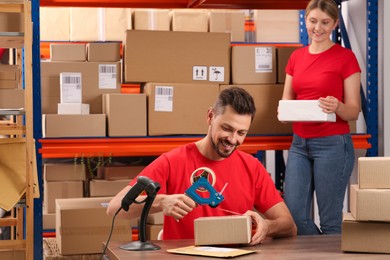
x: 199, y: 73
x: 263, y: 59
x: 163, y: 99
x: 70, y: 87
x: 217, y: 74
x: 107, y: 76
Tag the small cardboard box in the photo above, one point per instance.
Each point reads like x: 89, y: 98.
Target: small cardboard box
x: 93, y: 125
x: 176, y: 108
x: 126, y: 114
x: 228, y: 21
x: 155, y: 218
x: 370, y: 204
x: 83, y: 224
x: 9, y: 76
x: 11, y: 98
x: 373, y: 172
x: 85, y: 24
x: 48, y: 220
x: 266, y: 98
x: 223, y: 230
x: 13, y: 254
x: 63, y: 172
x: 253, y: 64
x: 68, y: 52
x: 60, y: 190
x: 283, y: 55
x: 121, y: 172
x: 190, y: 20
x: 303, y: 111
x: 177, y: 57
x: 367, y: 237
x: 152, y: 231
x: 115, y: 22
x: 103, y: 51
x: 105, y: 188
x: 54, y: 23
x: 73, y: 109
x: 152, y: 19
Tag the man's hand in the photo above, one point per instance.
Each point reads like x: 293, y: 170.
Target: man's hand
x: 176, y: 205
x: 261, y: 227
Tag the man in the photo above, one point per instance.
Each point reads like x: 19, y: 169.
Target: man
x: 248, y: 187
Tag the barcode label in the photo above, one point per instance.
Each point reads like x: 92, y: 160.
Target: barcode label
x: 70, y: 87
x: 108, y: 76
x: 263, y: 59
x: 166, y: 91
x: 163, y: 99
x: 71, y: 80
x: 107, y: 69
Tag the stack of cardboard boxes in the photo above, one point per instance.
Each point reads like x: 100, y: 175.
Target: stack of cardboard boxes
x: 367, y: 227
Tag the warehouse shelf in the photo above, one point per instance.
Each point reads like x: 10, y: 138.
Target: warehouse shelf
x: 217, y: 4
x: 154, y: 146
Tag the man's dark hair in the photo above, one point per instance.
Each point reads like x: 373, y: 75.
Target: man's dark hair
x: 238, y: 98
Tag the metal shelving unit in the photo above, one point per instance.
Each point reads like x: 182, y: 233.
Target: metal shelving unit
x: 69, y: 148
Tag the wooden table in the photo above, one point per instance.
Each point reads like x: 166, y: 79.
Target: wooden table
x: 301, y: 247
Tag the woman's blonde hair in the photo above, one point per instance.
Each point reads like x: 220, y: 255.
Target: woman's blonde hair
x: 327, y: 6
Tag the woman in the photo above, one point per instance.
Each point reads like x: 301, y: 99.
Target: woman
x: 321, y: 156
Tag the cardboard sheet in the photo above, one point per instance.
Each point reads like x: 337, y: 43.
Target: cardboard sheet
x: 222, y: 252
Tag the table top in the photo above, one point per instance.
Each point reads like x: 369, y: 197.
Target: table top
x: 301, y: 247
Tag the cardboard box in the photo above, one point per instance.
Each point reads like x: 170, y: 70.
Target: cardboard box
x: 9, y: 76
x: 126, y: 114
x: 303, y: 111
x: 98, y: 78
x: 83, y: 224
x: 252, y: 64
x: 367, y: 237
x: 115, y: 22
x: 103, y: 51
x: 68, y: 52
x: 13, y: 254
x: 73, y: 109
x: 283, y: 55
x: 51, y: 252
x: 228, y: 21
x: 63, y: 172
x: 177, y: 57
x: 84, y: 24
x: 266, y: 98
x: 74, y: 125
x: 48, y: 221
x: 155, y: 218
x: 223, y: 230
x: 152, y: 231
x: 54, y: 23
x: 373, y: 172
x: 370, y: 204
x: 190, y: 20
x: 281, y: 26
x: 104, y: 188
x: 11, y: 22
x: 60, y: 190
x: 152, y: 19
x: 177, y: 108
x: 121, y: 172
x: 11, y: 98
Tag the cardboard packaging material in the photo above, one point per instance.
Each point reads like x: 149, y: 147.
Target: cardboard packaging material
x: 177, y: 57
x: 97, y: 78
x: 11, y: 22
x: 373, y: 172
x: 252, y: 64
x: 266, y: 98
x: 277, y: 26
x: 121, y: 172
x: 223, y: 230
x: 54, y: 23
x: 155, y: 218
x: 51, y: 252
x: 186, y: 20
x: 73, y: 109
x: 228, y: 21
x: 60, y: 190
x: 84, y: 23
x: 9, y: 76
x: 367, y: 237
x: 104, y: 188
x: 115, y: 22
x: 13, y: 254
x: 152, y: 231
x: 283, y: 55
x: 93, y: 125
x: 370, y: 204
x: 11, y: 98
x: 174, y: 108
x: 83, y: 224
x: 103, y: 51
x: 63, y: 172
x: 68, y: 52
x: 126, y: 114
x: 152, y: 19
x: 48, y: 220
x: 303, y: 111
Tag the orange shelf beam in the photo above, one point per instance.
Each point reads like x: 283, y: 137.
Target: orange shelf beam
x: 154, y: 146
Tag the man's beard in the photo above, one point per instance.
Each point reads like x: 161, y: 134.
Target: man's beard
x: 220, y: 152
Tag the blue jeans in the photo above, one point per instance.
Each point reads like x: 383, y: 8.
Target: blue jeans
x: 321, y: 165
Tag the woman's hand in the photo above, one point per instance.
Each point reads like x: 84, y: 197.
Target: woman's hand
x: 329, y: 104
